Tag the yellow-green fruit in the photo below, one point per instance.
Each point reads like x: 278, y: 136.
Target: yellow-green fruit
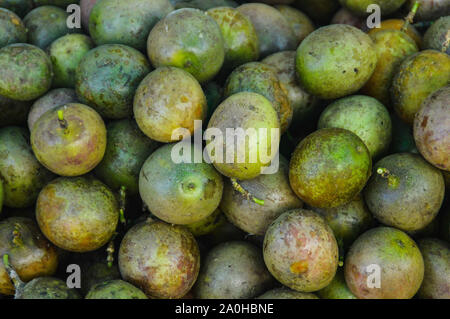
x: 337, y: 289
x: 397, y: 24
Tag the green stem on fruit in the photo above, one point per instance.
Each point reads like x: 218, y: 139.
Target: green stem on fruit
x: 410, y: 17
x: 17, y: 282
x: 122, y: 204
x: 393, y: 180
x: 62, y: 121
x: 245, y: 193
x: 446, y: 43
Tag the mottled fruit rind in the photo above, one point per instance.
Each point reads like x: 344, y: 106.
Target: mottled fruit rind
x: 435, y: 36
x: 329, y: 167
x: 286, y: 293
x: 309, y: 259
x: 400, y: 265
x: 161, y: 259
x: 299, y: 22
x: 397, y: 24
x: 115, y: 289
x: 77, y: 214
x: 359, y: 7
x: 12, y: 27
x: 337, y: 289
x: 335, y: 61
x: 47, y: 288
x: 233, y: 270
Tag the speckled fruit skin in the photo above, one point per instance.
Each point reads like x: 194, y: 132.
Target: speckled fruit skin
x: 299, y: 22
x: 161, y: 259
x: 46, y: 24
x: 115, y: 289
x: 207, y: 225
x: 127, y: 148
x: 66, y: 53
x: 410, y: 203
x: 246, y: 110
x: 432, y: 129
x: 126, y: 22
x: 337, y: 289
x: 309, y: 259
x: 335, y: 61
x: 31, y: 258
x: 435, y: 36
x: 179, y: 193
x: 417, y: 77
x: 74, y: 150
x: 19, y: 7
x: 430, y: 10
x: 49, y: 101
x: 12, y: 27
x: 26, y: 72
x: 286, y: 293
x: 188, y: 39
x: 107, y: 78
x: 397, y: 24
x: 359, y: 7
x: 77, y: 214
x: 400, y: 261
x: 329, y: 167
x: 274, y: 189
x: 22, y: 175
x: 47, y: 288
x: 240, y: 38
x: 436, y: 281
x: 392, y: 47
x: 302, y: 103
x: 273, y: 30
x: 261, y: 78
x: 13, y: 112
x: 233, y: 270
x: 364, y: 116
x: 168, y: 99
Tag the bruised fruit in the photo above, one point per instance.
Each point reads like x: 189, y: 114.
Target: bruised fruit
x: 47, y: 288
x: 286, y: 293
x: 392, y: 256
x: 115, y: 289
x: 29, y: 252
x: 26, y: 72
x: 432, y: 129
x: 176, y: 187
x: 208, y: 224
x: 161, y: 259
x: 436, y: 35
x: 299, y: 22
x: 233, y: 270
x: 77, y: 214
x: 329, y: 167
x: 70, y: 140
x: 13, y: 112
x: 22, y: 175
x: 337, y: 289
x: 12, y: 28
x: 19, y: 7
x: 188, y: 39
x: 335, y: 61
x: 167, y: 102
x: 300, y: 250
x: 359, y: 7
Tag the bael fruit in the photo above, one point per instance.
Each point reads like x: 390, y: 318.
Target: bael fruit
x: 329, y: 167
x: 47, y: 288
x: 12, y: 28
x: 309, y: 259
x: 398, y: 24
x: 430, y: 10
x: 436, y: 35
x: 286, y: 293
x: 203, y: 4
x: 208, y: 224
x: 344, y: 16
x: 299, y: 22
x: 19, y: 7
x: 115, y: 289
x: 337, y: 289
x: 77, y: 214
x: 359, y: 7
x: 70, y: 140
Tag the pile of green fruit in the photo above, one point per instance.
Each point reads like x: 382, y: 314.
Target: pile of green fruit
x: 91, y: 116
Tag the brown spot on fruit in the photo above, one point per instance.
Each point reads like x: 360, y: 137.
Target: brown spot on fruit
x: 299, y: 267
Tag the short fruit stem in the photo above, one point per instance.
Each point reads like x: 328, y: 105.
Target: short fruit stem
x: 245, y: 193
x: 410, y: 17
x: 393, y: 180
x: 62, y: 121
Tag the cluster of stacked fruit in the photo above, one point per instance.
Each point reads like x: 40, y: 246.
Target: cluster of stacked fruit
x: 90, y: 117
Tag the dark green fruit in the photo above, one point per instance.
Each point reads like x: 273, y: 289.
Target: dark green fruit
x: 417, y: 77
x: 115, y: 289
x: 168, y: 99
x: 364, y: 116
x: 161, y: 259
x: 245, y: 110
x: 22, y: 175
x: 329, y: 167
x: 384, y: 256
x: 233, y: 270
x: 29, y: 252
x: 107, y: 78
x: 430, y: 10
x: 274, y: 189
x: 359, y: 7
x: 127, y: 148
x: 335, y: 61
x: 320, y: 11
x: 13, y: 112
x: 240, y: 38
x: 71, y: 146
x: 436, y: 35
x: 19, y: 7
x: 177, y: 192
x: 47, y: 288
x: 208, y: 224
x: 436, y: 281
x: 405, y: 191
x: 337, y: 289
x: 77, y: 214
x: 188, y: 39
x: 46, y: 24
x: 299, y: 22
x: 66, y: 53
x: 286, y: 293
x: 12, y: 28
x: 301, y: 251
x: 49, y: 101
x: 26, y: 72
x: 273, y: 30
x: 126, y: 22
x: 432, y: 129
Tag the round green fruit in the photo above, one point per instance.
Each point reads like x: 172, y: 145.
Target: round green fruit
x: 286, y: 293
x: 115, y: 289
x: 47, y: 288
x: 12, y: 28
